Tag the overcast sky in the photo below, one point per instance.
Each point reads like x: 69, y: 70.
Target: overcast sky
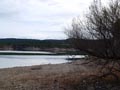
x: 38, y: 19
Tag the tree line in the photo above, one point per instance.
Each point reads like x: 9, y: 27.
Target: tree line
x: 20, y: 44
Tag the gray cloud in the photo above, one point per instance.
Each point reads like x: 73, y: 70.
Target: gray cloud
x: 38, y: 19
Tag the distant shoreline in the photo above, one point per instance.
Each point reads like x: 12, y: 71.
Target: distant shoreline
x: 37, y: 53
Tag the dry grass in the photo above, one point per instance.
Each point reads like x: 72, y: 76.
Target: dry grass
x: 47, y: 77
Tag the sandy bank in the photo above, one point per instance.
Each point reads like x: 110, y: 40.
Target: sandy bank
x: 40, y: 77
x: 45, y: 77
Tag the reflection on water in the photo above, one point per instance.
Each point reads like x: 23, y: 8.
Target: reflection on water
x: 19, y: 60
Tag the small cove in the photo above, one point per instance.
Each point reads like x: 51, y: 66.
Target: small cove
x: 7, y: 61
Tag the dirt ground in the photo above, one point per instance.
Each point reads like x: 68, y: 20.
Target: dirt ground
x: 66, y: 76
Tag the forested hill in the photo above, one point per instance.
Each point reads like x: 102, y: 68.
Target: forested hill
x: 23, y: 44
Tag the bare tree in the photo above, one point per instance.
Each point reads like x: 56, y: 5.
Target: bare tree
x: 99, y: 33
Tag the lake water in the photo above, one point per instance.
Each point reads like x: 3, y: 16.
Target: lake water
x: 7, y: 61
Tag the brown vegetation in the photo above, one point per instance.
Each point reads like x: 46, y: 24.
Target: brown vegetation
x: 70, y: 76
x: 99, y: 33
x: 43, y: 77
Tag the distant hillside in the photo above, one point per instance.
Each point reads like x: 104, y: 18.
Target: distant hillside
x: 31, y: 44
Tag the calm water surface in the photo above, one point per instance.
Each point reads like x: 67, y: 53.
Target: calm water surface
x: 7, y: 61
